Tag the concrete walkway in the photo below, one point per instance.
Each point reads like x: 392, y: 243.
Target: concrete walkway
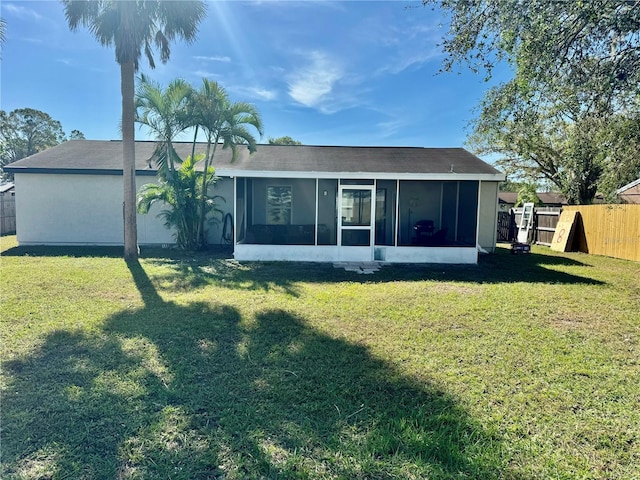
x: 366, y: 268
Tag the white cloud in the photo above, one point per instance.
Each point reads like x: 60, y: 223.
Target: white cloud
x: 411, y: 45
x: 205, y: 58
x: 405, y: 60
x: 256, y: 93
x: 312, y: 84
x: 22, y: 12
x: 263, y: 93
x: 205, y: 74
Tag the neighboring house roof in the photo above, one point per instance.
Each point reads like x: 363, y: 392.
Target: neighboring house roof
x: 547, y: 198
x: 5, y: 187
x: 105, y: 157
x: 630, y: 192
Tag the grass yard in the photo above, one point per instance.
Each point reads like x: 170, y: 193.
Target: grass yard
x: 197, y: 367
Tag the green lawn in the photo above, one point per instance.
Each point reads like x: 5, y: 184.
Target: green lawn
x: 197, y: 367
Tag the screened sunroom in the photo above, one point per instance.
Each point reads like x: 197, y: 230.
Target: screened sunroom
x: 388, y: 204
x: 332, y: 219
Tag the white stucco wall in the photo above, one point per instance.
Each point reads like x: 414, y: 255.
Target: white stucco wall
x: 334, y: 253
x: 79, y: 210
x: 487, y: 221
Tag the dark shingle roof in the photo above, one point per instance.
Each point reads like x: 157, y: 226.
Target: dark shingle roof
x: 547, y: 198
x: 96, y: 156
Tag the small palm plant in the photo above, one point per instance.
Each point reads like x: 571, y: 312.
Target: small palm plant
x: 183, y: 196
x: 224, y: 123
x: 170, y: 111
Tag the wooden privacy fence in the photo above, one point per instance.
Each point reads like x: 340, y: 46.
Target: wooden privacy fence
x: 7, y: 214
x: 545, y: 220
x: 610, y: 230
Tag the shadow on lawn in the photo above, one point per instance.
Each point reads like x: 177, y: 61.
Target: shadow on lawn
x: 216, y: 252
x: 197, y: 392
x: 501, y: 267
x: 216, y: 266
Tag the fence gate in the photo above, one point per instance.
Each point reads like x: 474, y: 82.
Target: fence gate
x: 506, y: 226
x: 7, y: 214
x: 545, y: 220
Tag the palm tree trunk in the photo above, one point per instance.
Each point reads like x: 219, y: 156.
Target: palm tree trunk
x: 193, y: 147
x: 207, y: 163
x: 127, y: 70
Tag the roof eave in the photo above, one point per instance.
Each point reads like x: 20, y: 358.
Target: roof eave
x: 628, y: 186
x: 449, y: 176
x: 73, y: 171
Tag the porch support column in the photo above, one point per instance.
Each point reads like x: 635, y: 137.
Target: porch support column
x: 234, y: 223
x: 397, y: 223
x: 455, y: 230
x: 478, y: 212
x: 315, y: 240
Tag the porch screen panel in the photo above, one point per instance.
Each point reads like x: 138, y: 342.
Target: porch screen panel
x: 282, y: 211
x: 419, y: 203
x: 385, y: 212
x: 467, y: 213
x: 327, y: 207
x: 449, y: 212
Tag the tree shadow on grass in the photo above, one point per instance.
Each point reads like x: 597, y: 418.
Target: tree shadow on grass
x: 198, y: 392
x: 186, y: 271
x: 215, y: 252
x: 501, y: 267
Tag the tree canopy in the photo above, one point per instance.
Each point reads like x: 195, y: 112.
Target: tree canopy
x: 286, y: 140
x: 592, y: 45
x: 26, y: 131
x: 573, y: 105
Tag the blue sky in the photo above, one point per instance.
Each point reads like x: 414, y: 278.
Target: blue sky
x: 324, y: 73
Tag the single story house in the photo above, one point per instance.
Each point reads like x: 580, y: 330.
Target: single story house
x: 630, y: 193
x: 284, y: 202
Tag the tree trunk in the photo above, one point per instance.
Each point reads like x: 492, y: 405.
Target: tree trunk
x: 127, y: 71
x: 207, y: 162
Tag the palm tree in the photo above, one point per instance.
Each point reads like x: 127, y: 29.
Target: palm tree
x: 183, y: 198
x: 131, y: 27
x: 165, y: 113
x: 222, y: 122
x: 3, y: 29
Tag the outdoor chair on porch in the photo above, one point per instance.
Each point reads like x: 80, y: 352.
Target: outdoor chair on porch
x: 422, y: 232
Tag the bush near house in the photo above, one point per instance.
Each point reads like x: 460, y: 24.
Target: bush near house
x: 196, y: 366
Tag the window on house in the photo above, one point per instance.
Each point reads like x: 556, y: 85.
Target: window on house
x: 279, y: 205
